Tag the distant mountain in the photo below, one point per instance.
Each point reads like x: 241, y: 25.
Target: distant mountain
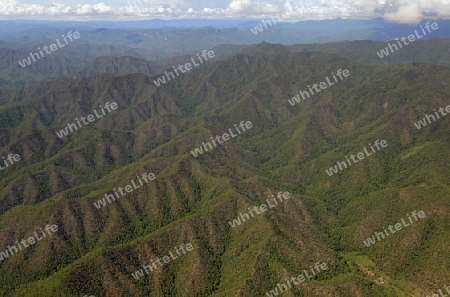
x: 85, y: 60
x: 194, y: 35
x: 435, y: 51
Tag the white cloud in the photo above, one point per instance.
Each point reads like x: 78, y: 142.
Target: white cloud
x: 400, y: 11
x: 239, y: 5
x: 408, y: 14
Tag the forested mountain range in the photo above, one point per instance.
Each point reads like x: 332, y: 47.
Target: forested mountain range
x: 192, y: 198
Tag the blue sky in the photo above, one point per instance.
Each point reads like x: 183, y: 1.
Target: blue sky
x: 399, y: 11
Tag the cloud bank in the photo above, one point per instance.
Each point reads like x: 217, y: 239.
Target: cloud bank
x: 399, y: 11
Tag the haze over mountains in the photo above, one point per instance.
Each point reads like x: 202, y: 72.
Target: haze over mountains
x: 327, y: 218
